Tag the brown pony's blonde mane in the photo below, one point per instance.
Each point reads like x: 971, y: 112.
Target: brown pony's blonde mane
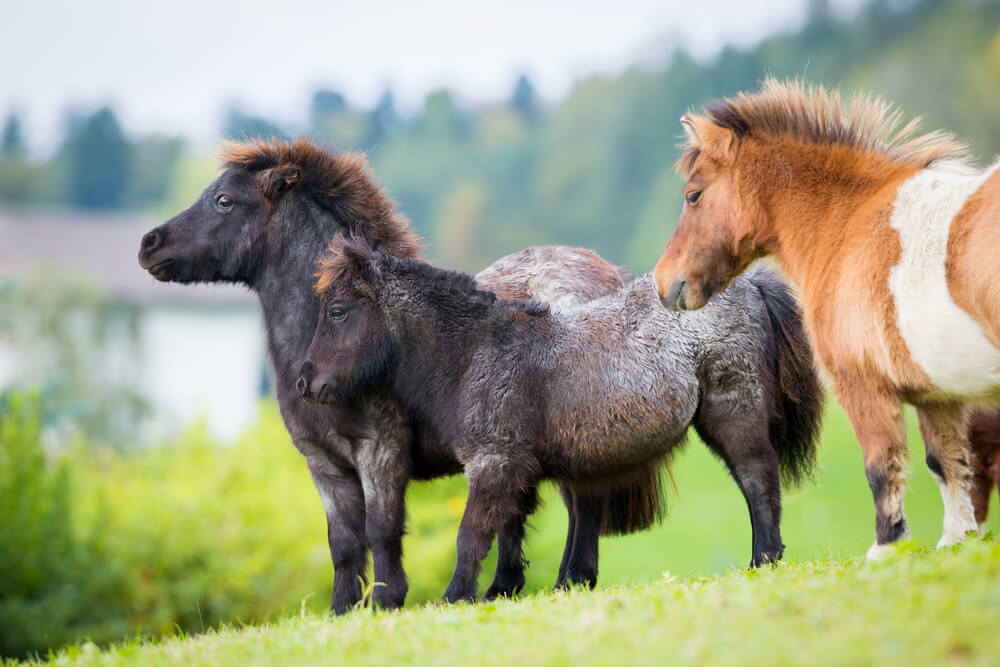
x: 342, y: 184
x: 813, y: 114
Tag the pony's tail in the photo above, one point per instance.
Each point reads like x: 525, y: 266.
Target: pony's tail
x: 630, y: 502
x: 638, y: 504
x: 797, y: 403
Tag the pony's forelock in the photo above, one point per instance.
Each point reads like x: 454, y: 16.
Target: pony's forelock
x: 343, y: 253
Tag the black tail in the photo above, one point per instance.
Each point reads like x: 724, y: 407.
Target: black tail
x: 797, y: 411
x: 638, y: 504
x: 631, y: 502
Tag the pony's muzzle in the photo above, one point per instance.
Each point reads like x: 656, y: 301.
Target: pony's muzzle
x: 151, y: 241
x: 306, y: 385
x: 672, y: 299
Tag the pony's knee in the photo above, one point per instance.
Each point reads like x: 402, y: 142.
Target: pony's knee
x: 503, y: 488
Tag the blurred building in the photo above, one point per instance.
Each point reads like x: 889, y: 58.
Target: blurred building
x: 191, y: 351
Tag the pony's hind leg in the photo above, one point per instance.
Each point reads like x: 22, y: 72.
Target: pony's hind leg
x: 877, y: 418
x: 980, y: 488
x: 984, y: 438
x: 508, y: 580
x: 567, y: 496
x: 944, y: 428
x: 743, y: 443
x: 581, y: 566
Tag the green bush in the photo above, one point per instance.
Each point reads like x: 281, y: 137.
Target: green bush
x: 57, y: 582
x: 103, y: 545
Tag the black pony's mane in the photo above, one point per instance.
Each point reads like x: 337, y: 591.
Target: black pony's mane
x: 347, y: 254
x: 342, y: 184
x: 438, y: 279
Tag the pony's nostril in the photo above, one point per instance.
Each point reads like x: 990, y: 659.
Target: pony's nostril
x: 302, y: 386
x: 151, y: 241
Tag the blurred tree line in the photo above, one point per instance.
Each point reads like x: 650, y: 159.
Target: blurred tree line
x: 96, y: 167
x: 595, y: 169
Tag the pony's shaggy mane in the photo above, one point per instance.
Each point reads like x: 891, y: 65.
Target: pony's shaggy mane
x: 344, y: 252
x: 342, y: 184
x: 813, y: 114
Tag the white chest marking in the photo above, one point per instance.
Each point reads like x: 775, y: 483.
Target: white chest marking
x: 942, y: 338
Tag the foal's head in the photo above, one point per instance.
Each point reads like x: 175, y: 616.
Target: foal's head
x: 273, y: 195
x: 351, y: 347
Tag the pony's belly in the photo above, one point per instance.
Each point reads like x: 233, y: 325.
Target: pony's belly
x: 941, y: 337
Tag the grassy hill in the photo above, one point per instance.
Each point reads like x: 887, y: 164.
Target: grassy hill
x: 916, y: 608
x: 194, y: 536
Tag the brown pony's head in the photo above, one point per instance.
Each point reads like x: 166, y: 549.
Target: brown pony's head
x: 351, y: 347
x: 714, y: 239
x: 758, y: 161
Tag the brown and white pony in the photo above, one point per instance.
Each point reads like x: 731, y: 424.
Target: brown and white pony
x: 892, y: 239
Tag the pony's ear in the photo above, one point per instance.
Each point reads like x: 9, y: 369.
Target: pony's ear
x: 690, y: 131
x: 362, y: 262
x: 704, y: 135
x: 276, y: 181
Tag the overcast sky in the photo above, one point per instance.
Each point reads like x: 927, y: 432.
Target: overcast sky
x: 175, y: 65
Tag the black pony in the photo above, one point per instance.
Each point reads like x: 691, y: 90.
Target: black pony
x: 520, y: 393
x: 263, y: 223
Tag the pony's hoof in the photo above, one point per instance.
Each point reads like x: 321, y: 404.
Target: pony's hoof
x: 452, y: 596
x: 506, y: 584
x: 879, y: 552
x: 949, y: 540
x: 490, y: 595
x: 767, y: 557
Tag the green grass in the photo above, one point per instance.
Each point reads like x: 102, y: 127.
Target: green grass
x: 707, y: 529
x: 194, y: 535
x: 916, y: 608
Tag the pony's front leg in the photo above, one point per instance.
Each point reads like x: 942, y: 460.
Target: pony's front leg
x: 508, y: 580
x: 496, y: 488
x: 384, y: 473
x: 344, y: 503
x: 945, y: 431
x: 877, y: 417
x: 739, y: 436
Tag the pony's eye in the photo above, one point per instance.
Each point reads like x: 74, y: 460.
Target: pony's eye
x: 224, y: 201
x: 338, y: 314
x: 693, y: 196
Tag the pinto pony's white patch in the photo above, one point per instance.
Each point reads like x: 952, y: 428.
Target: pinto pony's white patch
x: 942, y: 338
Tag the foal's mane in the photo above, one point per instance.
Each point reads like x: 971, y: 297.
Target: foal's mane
x: 342, y: 184
x: 813, y: 114
x: 347, y: 252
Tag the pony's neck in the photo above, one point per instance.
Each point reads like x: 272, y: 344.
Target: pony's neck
x: 432, y: 352
x: 285, y: 287
x: 807, y: 193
